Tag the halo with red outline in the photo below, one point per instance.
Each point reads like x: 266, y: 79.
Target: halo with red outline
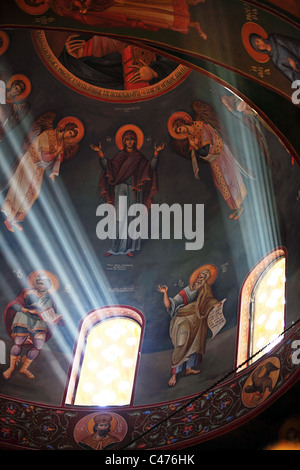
x: 248, y: 29
x: 80, y: 126
x: 52, y: 278
x: 129, y: 127
x: 5, y: 42
x: 38, y: 10
x: 26, y: 92
x: 178, y: 115
x: 213, y: 273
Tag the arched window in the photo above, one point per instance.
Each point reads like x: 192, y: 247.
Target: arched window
x: 262, y: 307
x: 106, y: 358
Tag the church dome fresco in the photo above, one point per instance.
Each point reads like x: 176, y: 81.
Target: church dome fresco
x: 149, y: 239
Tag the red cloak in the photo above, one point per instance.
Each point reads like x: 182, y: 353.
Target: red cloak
x: 127, y: 165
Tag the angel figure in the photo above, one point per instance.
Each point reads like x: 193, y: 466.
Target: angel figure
x: 204, y: 139
x: 17, y: 89
x: 241, y: 110
x: 44, y: 150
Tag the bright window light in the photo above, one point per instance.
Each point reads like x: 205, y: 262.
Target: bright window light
x: 262, y: 308
x: 267, y: 320
x: 105, y: 361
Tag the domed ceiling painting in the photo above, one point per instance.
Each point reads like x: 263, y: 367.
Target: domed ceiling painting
x: 149, y: 228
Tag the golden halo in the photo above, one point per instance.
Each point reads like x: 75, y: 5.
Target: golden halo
x: 248, y: 29
x: 27, y: 83
x: 53, y: 279
x: 80, y: 126
x: 178, y: 115
x: 91, y: 423
x: 5, y: 42
x: 38, y: 10
x: 213, y: 273
x: 129, y: 127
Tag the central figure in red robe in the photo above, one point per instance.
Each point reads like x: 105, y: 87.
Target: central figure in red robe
x: 129, y: 174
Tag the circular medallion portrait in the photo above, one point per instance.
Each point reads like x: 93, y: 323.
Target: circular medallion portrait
x: 105, y: 68
x: 261, y: 382
x: 100, y: 431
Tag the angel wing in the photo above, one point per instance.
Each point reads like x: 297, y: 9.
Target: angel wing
x: 250, y: 119
x: 206, y: 113
x: 42, y: 123
x: 202, y: 112
x: 16, y: 114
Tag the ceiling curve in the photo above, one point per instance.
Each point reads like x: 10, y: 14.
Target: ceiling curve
x: 149, y: 237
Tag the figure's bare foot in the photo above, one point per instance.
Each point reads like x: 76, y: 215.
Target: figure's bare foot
x: 236, y: 214
x: 107, y: 254
x: 8, y: 225
x: 192, y: 372
x: 24, y: 369
x: 172, y: 381
x: 130, y: 254
x: 27, y: 373
x: 239, y: 213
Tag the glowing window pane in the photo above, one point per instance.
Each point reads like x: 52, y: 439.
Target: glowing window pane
x: 268, y: 306
x: 105, y: 378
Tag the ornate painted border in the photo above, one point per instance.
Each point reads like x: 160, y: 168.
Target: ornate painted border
x: 167, y: 426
